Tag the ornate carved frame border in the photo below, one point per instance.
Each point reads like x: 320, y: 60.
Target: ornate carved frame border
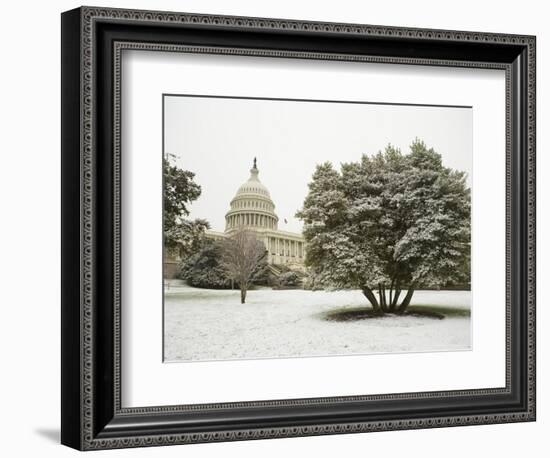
x: 91, y: 409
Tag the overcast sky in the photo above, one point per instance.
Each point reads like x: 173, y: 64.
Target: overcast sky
x: 218, y: 138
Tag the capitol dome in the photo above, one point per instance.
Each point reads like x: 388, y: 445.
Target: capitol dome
x: 252, y: 205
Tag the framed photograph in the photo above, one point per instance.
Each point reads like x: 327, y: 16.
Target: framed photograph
x: 276, y: 228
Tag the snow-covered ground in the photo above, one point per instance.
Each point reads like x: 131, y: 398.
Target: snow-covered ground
x: 212, y: 325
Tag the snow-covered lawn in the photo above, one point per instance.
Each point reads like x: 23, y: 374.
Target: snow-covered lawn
x: 212, y: 325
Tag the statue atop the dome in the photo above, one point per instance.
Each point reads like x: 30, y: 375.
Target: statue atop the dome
x: 254, y: 171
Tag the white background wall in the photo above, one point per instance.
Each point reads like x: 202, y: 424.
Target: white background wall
x: 30, y: 214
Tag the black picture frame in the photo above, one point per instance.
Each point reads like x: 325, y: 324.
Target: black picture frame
x: 92, y: 416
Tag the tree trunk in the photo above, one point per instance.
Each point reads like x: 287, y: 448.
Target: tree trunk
x: 382, y: 295
x: 368, y: 293
x: 407, y: 299
x: 396, y: 294
x: 396, y: 298
x: 243, y: 295
x: 382, y: 305
x: 392, y: 284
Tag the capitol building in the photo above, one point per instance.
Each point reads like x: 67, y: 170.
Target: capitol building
x: 253, y: 209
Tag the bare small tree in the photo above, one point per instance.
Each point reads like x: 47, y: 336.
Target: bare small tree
x: 242, y: 256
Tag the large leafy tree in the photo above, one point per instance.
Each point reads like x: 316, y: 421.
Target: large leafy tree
x: 203, y: 269
x: 388, y: 224
x: 180, y: 190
